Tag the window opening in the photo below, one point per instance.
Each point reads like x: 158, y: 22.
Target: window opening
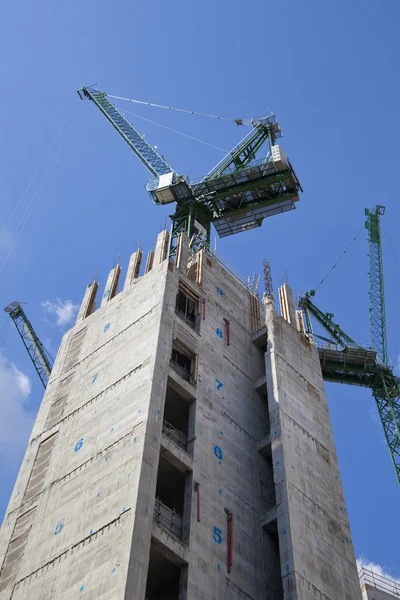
x: 187, y: 306
x: 183, y: 362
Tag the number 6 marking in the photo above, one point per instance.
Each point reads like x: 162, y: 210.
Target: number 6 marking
x: 59, y: 526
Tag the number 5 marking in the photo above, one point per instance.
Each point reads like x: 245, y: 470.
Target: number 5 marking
x: 217, y: 537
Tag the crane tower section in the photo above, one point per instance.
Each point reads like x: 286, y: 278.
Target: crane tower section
x: 377, y: 293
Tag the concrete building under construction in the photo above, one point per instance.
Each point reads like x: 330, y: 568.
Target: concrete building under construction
x: 378, y: 587
x: 183, y: 450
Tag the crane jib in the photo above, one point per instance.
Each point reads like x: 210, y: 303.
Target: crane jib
x: 143, y: 150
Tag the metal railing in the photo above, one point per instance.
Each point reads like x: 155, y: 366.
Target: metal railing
x: 385, y: 584
x: 182, y: 372
x: 175, y: 435
x: 240, y: 278
x: 168, y: 519
x: 191, y: 321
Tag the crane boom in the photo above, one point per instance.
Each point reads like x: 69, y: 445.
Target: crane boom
x: 42, y: 361
x: 377, y: 309
x: 325, y: 320
x: 145, y: 153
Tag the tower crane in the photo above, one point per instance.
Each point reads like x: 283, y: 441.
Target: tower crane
x: 42, y: 361
x: 236, y: 195
x: 345, y: 361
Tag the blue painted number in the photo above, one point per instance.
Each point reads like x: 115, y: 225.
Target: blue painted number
x: 106, y: 327
x: 220, y: 292
x: 219, y: 384
x: 59, y: 527
x: 95, y: 377
x: 78, y: 445
x: 218, y: 452
x: 106, y: 294
x: 219, y: 333
x: 217, y: 537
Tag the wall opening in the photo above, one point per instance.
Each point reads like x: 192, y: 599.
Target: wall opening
x: 178, y: 418
x: 173, y: 499
x: 183, y: 361
x: 166, y: 580
x: 267, y: 485
x: 272, y: 563
x: 187, y: 306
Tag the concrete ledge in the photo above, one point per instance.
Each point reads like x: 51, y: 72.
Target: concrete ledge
x: 182, y: 383
x: 264, y: 445
x: 261, y: 386
x: 175, y: 455
x: 269, y: 519
x: 170, y: 546
x: 260, y: 337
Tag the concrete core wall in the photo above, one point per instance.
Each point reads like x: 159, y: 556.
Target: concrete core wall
x: 180, y: 452
x: 317, y: 555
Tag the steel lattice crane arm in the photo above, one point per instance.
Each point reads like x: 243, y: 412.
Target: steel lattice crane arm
x: 349, y: 362
x: 146, y: 153
x: 42, y: 361
x: 377, y: 308
x: 325, y: 320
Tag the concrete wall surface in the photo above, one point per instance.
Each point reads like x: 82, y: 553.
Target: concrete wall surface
x: 317, y: 555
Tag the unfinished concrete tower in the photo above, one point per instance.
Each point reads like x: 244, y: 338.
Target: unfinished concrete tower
x: 182, y: 450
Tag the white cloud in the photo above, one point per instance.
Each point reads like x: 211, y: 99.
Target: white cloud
x: 16, y: 421
x: 64, y: 310
x: 377, y: 569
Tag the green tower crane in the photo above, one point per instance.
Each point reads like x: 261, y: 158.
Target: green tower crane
x: 42, y: 361
x: 376, y: 287
x: 345, y: 361
x: 236, y: 195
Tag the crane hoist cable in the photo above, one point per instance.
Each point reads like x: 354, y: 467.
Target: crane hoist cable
x: 24, y: 218
x: 191, y: 137
x: 238, y: 121
x: 392, y: 243
x: 16, y: 207
x: 339, y: 259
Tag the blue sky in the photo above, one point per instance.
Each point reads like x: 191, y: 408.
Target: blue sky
x: 330, y: 72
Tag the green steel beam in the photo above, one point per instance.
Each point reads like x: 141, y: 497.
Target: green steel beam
x: 377, y: 309
x: 244, y: 152
x: 145, y: 153
x: 378, y: 377
x: 325, y: 319
x: 386, y: 392
x: 42, y: 361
